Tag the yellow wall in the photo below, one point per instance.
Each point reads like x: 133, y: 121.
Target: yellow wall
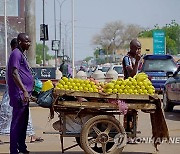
x: 146, y: 43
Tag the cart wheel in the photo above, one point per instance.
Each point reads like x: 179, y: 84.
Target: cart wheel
x: 103, y: 134
x: 95, y: 148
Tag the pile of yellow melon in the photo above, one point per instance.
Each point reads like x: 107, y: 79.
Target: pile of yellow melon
x: 139, y: 84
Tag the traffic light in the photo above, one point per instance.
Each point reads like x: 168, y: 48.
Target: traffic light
x: 44, y: 32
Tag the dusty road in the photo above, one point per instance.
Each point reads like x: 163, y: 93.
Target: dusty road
x: 51, y: 144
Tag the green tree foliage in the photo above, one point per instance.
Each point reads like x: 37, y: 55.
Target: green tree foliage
x: 39, y: 53
x: 88, y: 58
x: 172, y: 32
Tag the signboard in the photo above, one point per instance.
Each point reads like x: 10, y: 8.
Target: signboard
x: 44, y: 72
x: 39, y: 72
x: 44, y: 32
x: 159, y: 42
x: 55, y: 45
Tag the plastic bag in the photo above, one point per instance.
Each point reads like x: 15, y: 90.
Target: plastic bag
x: 47, y: 85
x: 37, y: 87
x: 45, y: 99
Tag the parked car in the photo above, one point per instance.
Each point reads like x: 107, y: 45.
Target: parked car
x: 156, y: 67
x: 119, y: 70
x: 103, y: 68
x: 171, y: 93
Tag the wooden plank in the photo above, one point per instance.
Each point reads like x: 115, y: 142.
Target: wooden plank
x: 101, y: 95
x: 133, y: 96
x: 98, y: 105
x: 142, y: 106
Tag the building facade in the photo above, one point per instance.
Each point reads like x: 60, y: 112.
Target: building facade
x: 15, y: 24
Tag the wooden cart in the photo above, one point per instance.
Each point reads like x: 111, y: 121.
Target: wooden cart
x: 102, y: 132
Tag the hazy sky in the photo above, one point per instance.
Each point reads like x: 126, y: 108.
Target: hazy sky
x: 92, y: 15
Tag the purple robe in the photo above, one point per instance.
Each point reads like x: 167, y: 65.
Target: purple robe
x: 20, y: 110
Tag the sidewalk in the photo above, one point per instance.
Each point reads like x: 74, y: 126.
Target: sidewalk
x: 51, y: 143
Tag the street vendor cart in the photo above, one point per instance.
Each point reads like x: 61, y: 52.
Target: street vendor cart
x: 98, y: 130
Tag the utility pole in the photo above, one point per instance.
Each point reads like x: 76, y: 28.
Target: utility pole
x: 30, y: 29
x: 44, y: 55
x: 5, y: 27
x: 55, y: 32
x: 60, y: 23
x: 73, y: 67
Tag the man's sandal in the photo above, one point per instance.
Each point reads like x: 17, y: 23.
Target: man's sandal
x: 37, y: 139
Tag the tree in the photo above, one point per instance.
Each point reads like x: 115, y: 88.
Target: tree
x: 88, y: 58
x: 115, y: 35
x: 39, y: 53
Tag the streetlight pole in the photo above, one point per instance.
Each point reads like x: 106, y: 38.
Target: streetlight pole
x: 55, y: 19
x: 60, y: 23
x: 55, y: 32
x: 44, y: 55
x: 73, y: 68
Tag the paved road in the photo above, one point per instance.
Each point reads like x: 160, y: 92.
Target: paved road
x: 51, y: 144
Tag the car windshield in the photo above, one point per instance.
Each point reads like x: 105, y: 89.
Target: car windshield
x: 118, y: 69
x: 159, y: 65
x: 105, y: 69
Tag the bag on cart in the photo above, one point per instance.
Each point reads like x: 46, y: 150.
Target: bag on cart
x: 45, y: 98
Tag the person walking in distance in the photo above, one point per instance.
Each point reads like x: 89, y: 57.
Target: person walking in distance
x: 20, y: 85
x: 130, y: 68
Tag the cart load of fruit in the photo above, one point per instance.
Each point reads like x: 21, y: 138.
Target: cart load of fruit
x: 139, y: 84
x: 75, y: 84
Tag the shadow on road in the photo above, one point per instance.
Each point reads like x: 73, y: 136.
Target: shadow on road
x: 78, y: 152
x: 54, y: 152
x: 174, y: 115
x: 136, y: 153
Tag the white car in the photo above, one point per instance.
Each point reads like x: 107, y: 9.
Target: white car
x: 103, y: 68
x: 119, y: 70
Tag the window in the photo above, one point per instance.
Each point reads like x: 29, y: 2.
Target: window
x: 159, y: 65
x: 118, y: 69
x: 12, y: 7
x: 105, y: 68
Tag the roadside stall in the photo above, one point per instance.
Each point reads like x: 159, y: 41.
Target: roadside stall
x: 97, y: 124
x: 92, y: 118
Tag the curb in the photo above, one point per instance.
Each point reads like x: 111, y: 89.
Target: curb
x: 33, y: 104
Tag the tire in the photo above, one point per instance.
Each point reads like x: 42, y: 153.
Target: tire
x: 167, y: 105
x: 97, y: 135
x: 95, y: 148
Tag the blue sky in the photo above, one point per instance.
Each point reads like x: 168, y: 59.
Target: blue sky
x: 92, y: 15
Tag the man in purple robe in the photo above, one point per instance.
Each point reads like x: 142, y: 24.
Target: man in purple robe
x: 20, y: 84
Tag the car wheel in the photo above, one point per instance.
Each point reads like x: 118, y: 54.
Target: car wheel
x: 167, y: 105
